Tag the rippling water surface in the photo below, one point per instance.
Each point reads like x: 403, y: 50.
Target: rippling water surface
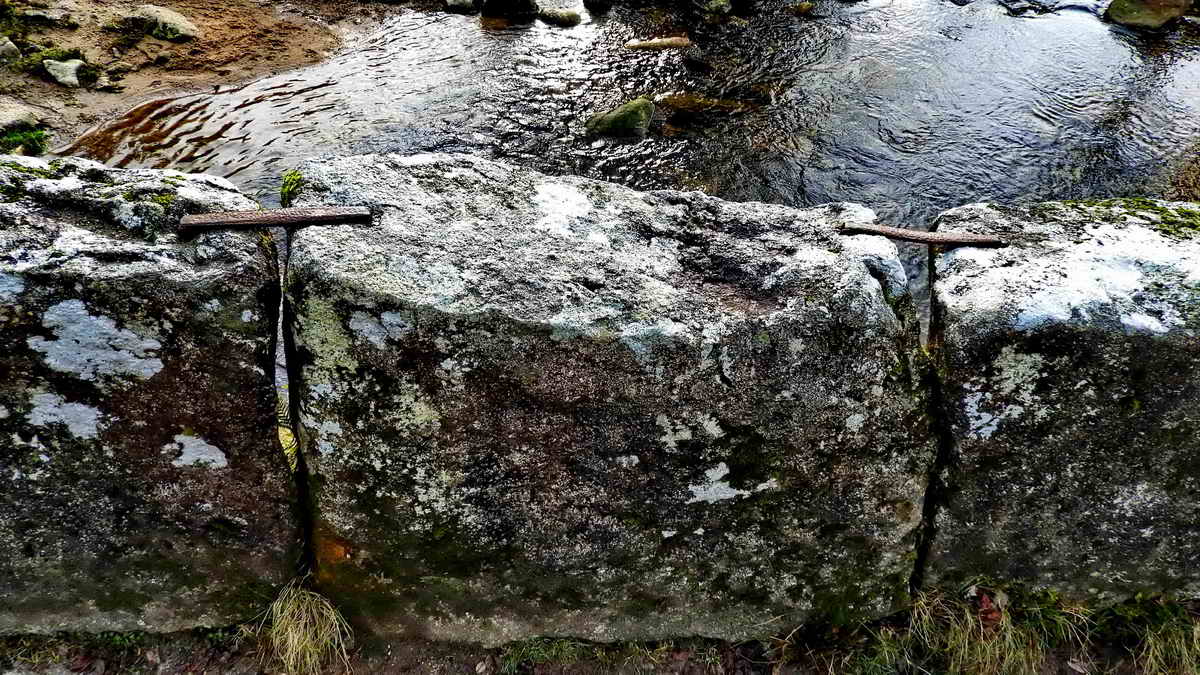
x: 909, y: 106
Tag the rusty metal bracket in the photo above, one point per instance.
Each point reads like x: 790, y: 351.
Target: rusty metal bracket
x: 290, y: 217
x: 945, y: 239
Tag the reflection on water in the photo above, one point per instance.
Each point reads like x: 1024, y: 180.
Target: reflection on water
x: 909, y: 106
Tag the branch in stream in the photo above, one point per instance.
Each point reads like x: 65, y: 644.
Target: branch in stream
x: 947, y: 239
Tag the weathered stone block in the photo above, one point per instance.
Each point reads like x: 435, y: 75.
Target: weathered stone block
x: 556, y: 406
x: 144, y: 488
x: 1072, y: 372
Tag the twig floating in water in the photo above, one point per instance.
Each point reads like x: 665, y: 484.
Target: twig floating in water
x: 947, y: 239
x: 292, y: 217
x: 655, y: 44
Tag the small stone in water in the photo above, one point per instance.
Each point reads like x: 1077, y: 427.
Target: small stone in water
x: 565, y: 18
x: 630, y: 119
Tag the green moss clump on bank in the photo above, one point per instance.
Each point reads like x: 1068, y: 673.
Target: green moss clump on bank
x: 30, y: 141
x: 289, y: 188
x: 1174, y: 221
x: 32, y: 63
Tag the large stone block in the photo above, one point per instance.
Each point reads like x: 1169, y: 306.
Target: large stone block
x: 1071, y: 363
x: 143, y: 484
x: 539, y: 405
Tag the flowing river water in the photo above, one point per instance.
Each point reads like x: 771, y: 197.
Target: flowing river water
x: 908, y: 106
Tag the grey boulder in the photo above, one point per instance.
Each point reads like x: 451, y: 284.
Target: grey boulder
x: 144, y: 488
x: 1071, y: 365
x: 554, y: 406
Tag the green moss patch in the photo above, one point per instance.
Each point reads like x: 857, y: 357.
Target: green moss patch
x: 1173, y: 221
x: 31, y: 141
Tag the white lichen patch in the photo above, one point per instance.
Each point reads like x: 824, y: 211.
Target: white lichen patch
x: 673, y: 431
x: 560, y: 205
x: 1008, y: 395
x: 628, y: 461
x: 1123, y: 271
x: 83, y: 421
x: 369, y: 328
x: 91, y: 347
x: 716, y: 488
x: 854, y: 422
x: 248, y: 316
x: 195, y: 451
x: 329, y: 430
x: 10, y: 287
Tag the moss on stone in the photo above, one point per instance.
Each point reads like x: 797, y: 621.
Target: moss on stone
x: 1173, y: 221
x: 629, y: 119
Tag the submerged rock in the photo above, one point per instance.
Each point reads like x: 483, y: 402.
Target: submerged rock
x: 555, y: 406
x: 716, y: 7
x: 629, y: 119
x: 1072, y: 380
x: 802, y: 8
x: 1151, y: 14
x: 462, y: 6
x: 143, y: 487
x: 564, y: 18
x: 513, y: 10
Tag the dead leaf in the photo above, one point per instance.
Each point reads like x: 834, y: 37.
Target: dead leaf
x: 989, y: 615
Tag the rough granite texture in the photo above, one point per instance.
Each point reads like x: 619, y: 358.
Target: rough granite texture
x: 555, y: 406
x: 144, y: 488
x: 1071, y: 363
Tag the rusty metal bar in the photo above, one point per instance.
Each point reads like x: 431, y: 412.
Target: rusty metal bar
x: 947, y: 239
x: 292, y: 217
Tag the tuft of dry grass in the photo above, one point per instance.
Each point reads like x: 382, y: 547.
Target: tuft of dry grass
x: 304, y: 631
x: 1171, y: 649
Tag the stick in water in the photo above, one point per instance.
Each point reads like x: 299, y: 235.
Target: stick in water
x: 293, y: 217
x: 948, y: 239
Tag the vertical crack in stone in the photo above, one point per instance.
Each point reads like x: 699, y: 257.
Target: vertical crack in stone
x: 936, y: 410
x: 306, y: 505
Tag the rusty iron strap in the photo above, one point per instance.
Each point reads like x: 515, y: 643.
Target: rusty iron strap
x: 947, y: 239
x: 292, y: 217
